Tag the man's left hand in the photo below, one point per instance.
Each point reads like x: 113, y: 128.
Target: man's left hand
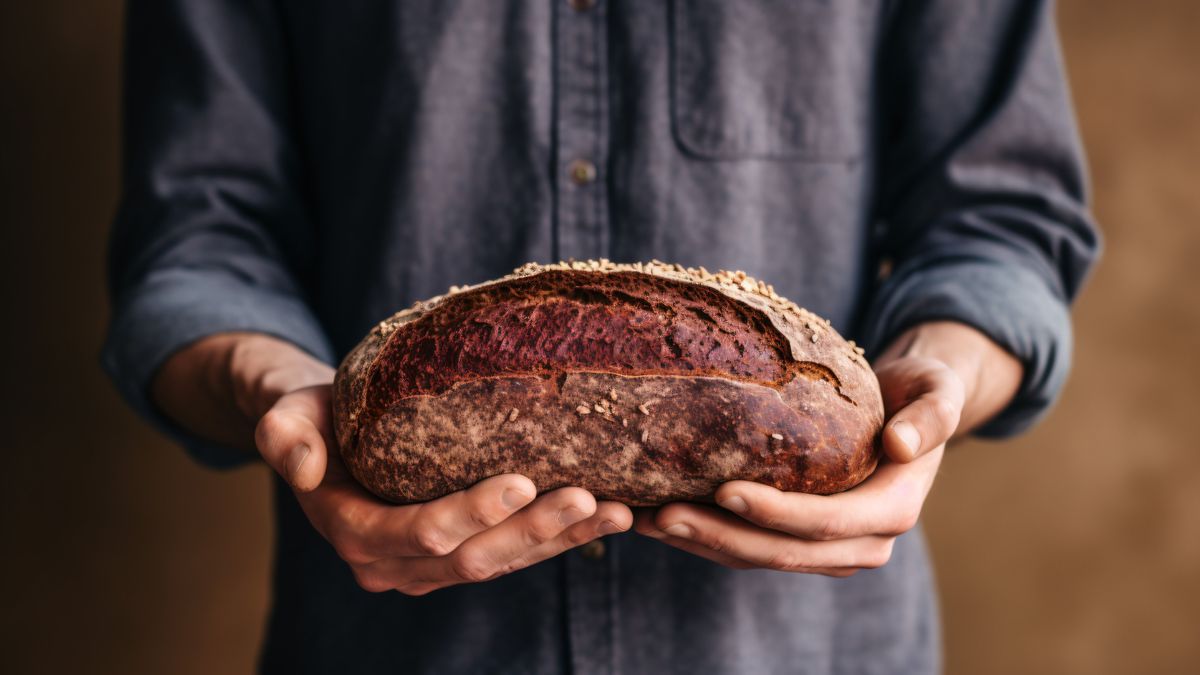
x: 935, y: 379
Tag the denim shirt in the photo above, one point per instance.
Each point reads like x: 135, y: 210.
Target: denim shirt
x: 305, y: 168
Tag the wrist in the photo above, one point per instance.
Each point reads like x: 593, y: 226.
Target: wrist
x: 220, y: 386
x: 196, y: 388
x: 990, y: 375
x: 261, y: 368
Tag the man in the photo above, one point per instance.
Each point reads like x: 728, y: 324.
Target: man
x: 296, y: 171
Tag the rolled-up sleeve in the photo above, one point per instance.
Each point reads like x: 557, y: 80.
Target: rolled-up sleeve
x: 983, y: 206
x: 211, y: 235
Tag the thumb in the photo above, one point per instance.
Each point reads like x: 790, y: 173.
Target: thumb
x: 293, y: 436
x: 928, y: 418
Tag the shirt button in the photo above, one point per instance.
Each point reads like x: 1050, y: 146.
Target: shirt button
x: 593, y: 550
x: 581, y: 172
x: 581, y: 5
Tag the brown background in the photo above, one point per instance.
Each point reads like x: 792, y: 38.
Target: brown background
x: 1075, y: 549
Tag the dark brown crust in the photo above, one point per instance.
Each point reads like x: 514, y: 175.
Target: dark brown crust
x: 797, y: 412
x: 619, y: 322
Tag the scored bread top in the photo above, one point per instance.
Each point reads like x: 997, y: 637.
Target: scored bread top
x: 722, y: 324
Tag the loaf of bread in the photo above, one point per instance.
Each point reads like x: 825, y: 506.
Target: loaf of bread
x: 643, y: 383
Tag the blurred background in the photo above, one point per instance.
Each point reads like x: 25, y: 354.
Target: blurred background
x: 1075, y: 549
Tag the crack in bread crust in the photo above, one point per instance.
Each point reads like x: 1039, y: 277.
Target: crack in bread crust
x: 617, y: 323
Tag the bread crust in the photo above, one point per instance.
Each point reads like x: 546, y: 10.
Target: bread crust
x: 657, y: 411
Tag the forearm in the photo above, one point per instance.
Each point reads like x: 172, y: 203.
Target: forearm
x: 218, y: 387
x: 990, y: 375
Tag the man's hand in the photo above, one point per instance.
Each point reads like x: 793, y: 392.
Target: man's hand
x: 936, y: 378
x: 495, y: 527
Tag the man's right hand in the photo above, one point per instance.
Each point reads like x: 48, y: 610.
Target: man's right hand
x: 497, y: 526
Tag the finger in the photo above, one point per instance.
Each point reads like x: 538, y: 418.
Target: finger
x: 487, y: 554
x: 293, y: 436
x: 928, y: 419
x: 440, y: 526
x: 736, y: 563
x: 364, y: 529
x: 920, y: 426
x: 418, y: 576
x: 739, y: 539
x: 610, y: 518
x: 888, y: 503
x: 644, y: 525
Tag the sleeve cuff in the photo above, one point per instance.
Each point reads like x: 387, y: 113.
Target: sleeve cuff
x: 176, y: 308
x: 1009, y: 303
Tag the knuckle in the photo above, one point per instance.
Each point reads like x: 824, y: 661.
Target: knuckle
x: 340, y: 539
x: 904, y: 521
x: 346, y: 535
x: 472, y: 567
x: 577, y: 536
x: 350, y: 551
x: 428, y: 539
x: 879, y: 556
x: 828, y: 529
x: 483, y: 518
x: 273, y: 420
x: 272, y: 426
x: 944, y: 410
x: 715, y: 542
x: 519, y: 563
x: 273, y: 382
x: 770, y: 517
x: 369, y: 582
x: 539, y: 531
x: 418, y: 589
x: 349, y: 518
x: 785, y: 559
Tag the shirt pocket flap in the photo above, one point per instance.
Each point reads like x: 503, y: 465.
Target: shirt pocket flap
x: 771, y: 78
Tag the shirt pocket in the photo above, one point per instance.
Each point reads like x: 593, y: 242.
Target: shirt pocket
x: 771, y: 79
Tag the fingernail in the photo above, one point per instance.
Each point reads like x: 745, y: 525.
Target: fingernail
x: 608, y: 527
x: 679, y: 530
x: 513, y: 499
x: 570, y: 516
x: 735, y: 504
x: 295, y: 460
x: 909, y: 435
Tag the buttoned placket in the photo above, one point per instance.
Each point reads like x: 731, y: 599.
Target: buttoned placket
x: 581, y: 129
x: 590, y: 592
x: 582, y: 232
